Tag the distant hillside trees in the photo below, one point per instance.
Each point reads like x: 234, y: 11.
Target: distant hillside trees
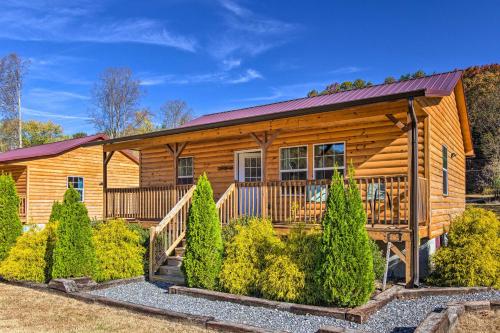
x: 175, y: 113
x: 482, y: 92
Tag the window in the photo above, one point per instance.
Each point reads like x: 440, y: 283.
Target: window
x: 293, y: 163
x: 327, y: 157
x: 445, y: 170
x: 77, y: 184
x: 253, y: 170
x: 185, y: 170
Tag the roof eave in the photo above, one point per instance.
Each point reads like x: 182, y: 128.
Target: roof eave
x: 272, y: 116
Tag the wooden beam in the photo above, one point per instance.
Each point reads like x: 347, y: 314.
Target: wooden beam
x: 399, y: 124
x: 108, y: 158
x: 398, y: 253
x: 175, y: 150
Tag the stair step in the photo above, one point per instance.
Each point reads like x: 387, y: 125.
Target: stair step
x: 172, y: 270
x: 174, y: 261
x: 179, y: 251
x: 168, y: 278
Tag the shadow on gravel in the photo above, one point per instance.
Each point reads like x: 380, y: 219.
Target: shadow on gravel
x: 403, y: 330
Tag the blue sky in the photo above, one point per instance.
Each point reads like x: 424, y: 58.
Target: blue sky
x: 220, y: 55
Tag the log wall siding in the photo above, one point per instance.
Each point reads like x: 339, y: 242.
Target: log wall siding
x: 445, y: 129
x: 20, y: 175
x: 48, y: 179
x: 373, y: 144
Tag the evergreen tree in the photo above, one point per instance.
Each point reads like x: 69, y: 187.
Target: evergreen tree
x: 74, y: 254
x: 346, y: 267
x: 203, y: 258
x: 10, y: 224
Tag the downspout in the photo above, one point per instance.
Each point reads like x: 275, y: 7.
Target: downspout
x: 414, y: 228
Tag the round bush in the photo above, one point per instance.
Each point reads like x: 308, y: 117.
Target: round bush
x: 245, y: 256
x: 471, y: 257
x: 281, y: 280
x: 26, y: 259
x: 118, y: 250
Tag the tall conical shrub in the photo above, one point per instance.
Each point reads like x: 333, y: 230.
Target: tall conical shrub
x: 346, y: 267
x: 203, y: 258
x: 74, y: 254
x: 10, y: 224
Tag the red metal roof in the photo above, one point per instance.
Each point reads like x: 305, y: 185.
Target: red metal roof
x: 436, y: 85
x: 52, y: 149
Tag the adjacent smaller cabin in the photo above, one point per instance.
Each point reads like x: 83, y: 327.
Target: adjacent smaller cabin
x: 43, y: 173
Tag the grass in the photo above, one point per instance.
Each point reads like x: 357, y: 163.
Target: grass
x: 27, y: 310
x: 479, y: 322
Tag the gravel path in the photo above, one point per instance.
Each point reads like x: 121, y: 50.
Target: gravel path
x: 398, y: 316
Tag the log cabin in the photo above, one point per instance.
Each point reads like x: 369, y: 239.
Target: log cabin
x: 43, y: 173
x: 407, y: 142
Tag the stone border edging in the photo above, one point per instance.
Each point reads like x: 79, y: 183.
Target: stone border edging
x: 114, y: 283
x: 445, y: 321
x: 201, y: 321
x: 358, y: 315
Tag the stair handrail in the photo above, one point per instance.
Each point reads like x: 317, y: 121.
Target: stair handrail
x: 166, y: 248
x: 227, y: 212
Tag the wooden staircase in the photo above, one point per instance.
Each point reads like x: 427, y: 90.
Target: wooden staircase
x: 170, y: 271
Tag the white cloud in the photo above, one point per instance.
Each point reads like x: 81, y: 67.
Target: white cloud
x: 347, y: 70
x: 231, y: 63
x: 61, y: 22
x: 222, y: 77
x: 50, y: 115
x: 284, y: 92
x: 247, y: 33
x: 249, y: 75
x: 54, y: 96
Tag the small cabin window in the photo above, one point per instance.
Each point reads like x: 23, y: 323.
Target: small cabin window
x: 185, y: 173
x: 293, y: 163
x: 78, y: 184
x: 328, y: 157
x: 445, y: 170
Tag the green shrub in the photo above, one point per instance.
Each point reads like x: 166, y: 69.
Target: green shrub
x: 203, y: 258
x: 346, y: 267
x: 74, y: 254
x: 55, y: 213
x: 378, y: 260
x: 144, y: 235
x: 303, y: 247
x: 230, y: 230
x: 26, y: 259
x: 281, y: 280
x: 472, y: 255
x: 118, y: 251
x: 10, y: 224
x: 245, y: 256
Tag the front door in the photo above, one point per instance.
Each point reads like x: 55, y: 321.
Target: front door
x: 249, y: 170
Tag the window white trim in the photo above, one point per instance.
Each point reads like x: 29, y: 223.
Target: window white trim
x: 295, y: 170
x: 192, y: 168
x: 444, y: 171
x: 343, y: 167
x: 82, y: 189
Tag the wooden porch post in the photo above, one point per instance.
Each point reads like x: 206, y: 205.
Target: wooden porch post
x: 106, y: 157
x: 264, y: 144
x: 175, y: 151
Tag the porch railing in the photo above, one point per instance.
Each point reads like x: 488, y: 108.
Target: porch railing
x: 143, y: 203
x: 167, y: 235
x: 385, y: 200
x: 22, y: 206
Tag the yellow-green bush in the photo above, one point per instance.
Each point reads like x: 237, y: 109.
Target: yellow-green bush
x: 282, y: 280
x: 472, y: 255
x: 118, y: 250
x: 303, y: 247
x: 245, y: 255
x: 26, y: 259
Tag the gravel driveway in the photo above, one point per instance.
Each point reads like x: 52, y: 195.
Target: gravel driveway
x: 398, y: 316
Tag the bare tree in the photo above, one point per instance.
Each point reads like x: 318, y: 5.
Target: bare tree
x: 12, y: 71
x: 175, y: 113
x: 115, y: 99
